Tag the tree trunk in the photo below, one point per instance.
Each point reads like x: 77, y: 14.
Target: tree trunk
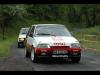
x: 87, y: 19
x: 3, y: 31
x: 94, y: 17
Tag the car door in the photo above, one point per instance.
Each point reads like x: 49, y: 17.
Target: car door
x: 27, y: 36
x: 30, y: 37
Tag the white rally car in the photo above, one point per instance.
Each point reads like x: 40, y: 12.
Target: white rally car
x: 51, y: 41
x: 22, y: 36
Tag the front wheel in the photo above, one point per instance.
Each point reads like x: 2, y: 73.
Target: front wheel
x: 75, y: 59
x: 33, y: 56
x: 27, y: 54
x: 18, y: 45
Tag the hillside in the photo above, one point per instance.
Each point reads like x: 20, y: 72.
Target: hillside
x: 89, y: 38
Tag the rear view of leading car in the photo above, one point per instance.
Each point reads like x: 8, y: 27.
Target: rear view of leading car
x: 51, y: 41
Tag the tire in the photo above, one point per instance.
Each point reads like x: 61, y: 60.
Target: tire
x: 33, y: 56
x: 18, y: 45
x: 27, y: 54
x: 75, y: 59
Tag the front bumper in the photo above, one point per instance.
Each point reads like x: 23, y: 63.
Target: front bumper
x: 21, y: 43
x: 58, y: 53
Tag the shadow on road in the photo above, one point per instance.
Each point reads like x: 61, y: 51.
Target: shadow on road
x: 54, y: 61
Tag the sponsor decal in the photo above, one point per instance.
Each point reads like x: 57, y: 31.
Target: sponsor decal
x: 58, y: 38
x: 59, y: 44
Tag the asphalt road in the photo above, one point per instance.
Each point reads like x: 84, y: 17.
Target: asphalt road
x: 17, y: 61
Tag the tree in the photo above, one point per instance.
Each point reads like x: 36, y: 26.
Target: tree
x: 8, y: 13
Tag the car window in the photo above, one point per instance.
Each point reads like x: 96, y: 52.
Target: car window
x: 31, y: 31
x: 52, y: 30
x: 24, y: 31
x: 28, y: 32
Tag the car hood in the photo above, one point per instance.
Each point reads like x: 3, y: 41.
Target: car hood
x: 57, y: 40
x: 22, y: 36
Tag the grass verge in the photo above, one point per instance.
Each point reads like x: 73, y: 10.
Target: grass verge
x: 5, y: 46
x: 93, y: 45
x: 89, y: 41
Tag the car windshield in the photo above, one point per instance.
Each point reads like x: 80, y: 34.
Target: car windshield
x: 24, y: 31
x: 52, y: 30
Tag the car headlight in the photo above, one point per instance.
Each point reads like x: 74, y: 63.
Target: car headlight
x: 21, y: 39
x: 43, y: 46
x: 75, y: 45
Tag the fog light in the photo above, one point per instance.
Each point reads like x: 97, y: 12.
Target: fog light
x: 43, y: 53
x: 75, y: 53
x: 43, y: 50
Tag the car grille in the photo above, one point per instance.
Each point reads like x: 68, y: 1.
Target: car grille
x: 59, y: 47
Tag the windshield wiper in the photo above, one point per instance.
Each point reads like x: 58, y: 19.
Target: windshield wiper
x: 45, y: 34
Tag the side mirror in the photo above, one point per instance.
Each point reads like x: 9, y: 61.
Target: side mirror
x: 31, y: 34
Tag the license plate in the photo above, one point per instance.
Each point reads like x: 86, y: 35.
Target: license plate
x: 59, y: 55
x: 59, y: 52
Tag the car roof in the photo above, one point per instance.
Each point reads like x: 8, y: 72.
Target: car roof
x: 25, y: 28
x: 47, y: 24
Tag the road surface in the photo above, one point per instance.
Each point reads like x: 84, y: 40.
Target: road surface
x: 17, y: 61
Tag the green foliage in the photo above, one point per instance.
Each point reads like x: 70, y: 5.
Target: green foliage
x: 89, y: 37
x: 5, y: 46
x: 72, y: 15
